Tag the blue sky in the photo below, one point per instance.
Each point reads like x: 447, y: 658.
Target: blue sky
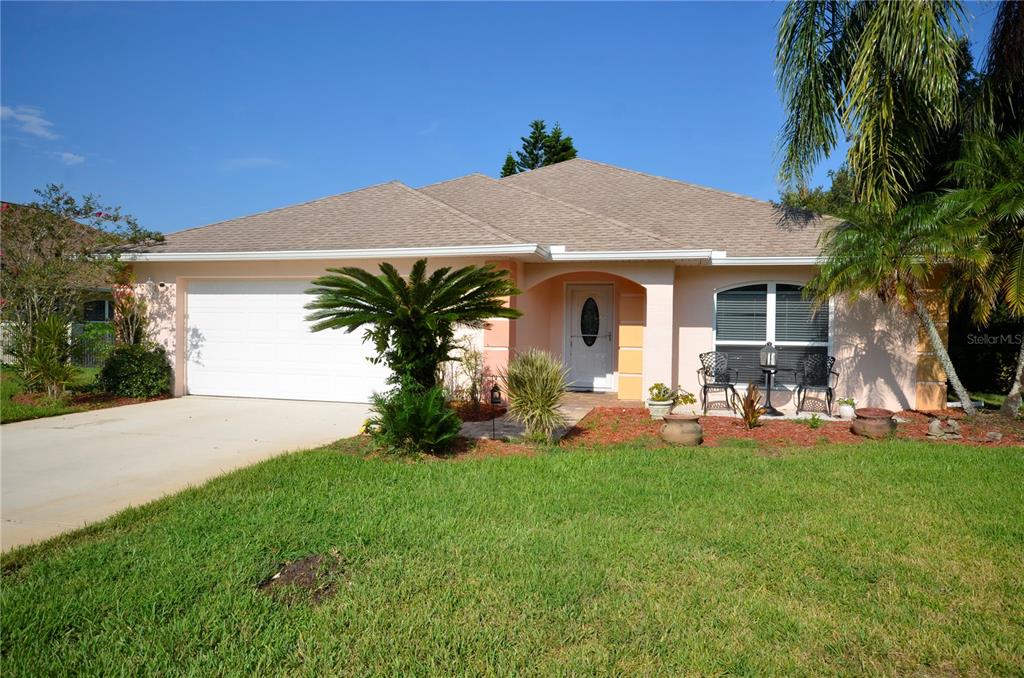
x: 189, y: 113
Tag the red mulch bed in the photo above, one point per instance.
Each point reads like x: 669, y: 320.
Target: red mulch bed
x: 616, y: 425
x: 84, y: 401
x: 610, y: 425
x: 477, y: 412
x: 464, y: 449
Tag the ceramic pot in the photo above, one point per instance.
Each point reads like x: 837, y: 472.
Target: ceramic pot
x: 874, y: 423
x: 847, y: 412
x: 682, y: 429
x: 659, y: 408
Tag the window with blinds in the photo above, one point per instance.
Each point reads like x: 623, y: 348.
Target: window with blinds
x: 796, y: 318
x: 742, y: 313
x: 748, y: 316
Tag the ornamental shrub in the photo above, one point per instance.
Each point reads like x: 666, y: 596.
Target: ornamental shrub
x: 410, y: 419
x: 43, y: 356
x: 751, y: 407
x: 535, y: 385
x: 136, y: 371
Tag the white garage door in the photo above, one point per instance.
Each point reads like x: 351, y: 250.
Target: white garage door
x: 249, y: 339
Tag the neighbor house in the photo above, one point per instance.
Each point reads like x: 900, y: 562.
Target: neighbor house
x: 625, y: 276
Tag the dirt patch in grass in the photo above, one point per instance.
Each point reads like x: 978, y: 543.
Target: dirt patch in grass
x: 313, y: 579
x: 611, y: 425
x: 466, y: 449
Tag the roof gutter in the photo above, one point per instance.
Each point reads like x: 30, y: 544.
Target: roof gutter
x: 531, y: 251
x: 558, y: 253
x: 720, y: 259
x: 526, y: 250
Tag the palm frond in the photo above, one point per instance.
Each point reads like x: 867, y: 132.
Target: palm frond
x: 411, y: 321
x: 885, y: 73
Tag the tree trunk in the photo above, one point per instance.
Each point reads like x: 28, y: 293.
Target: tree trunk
x: 1012, y: 403
x: 943, y: 355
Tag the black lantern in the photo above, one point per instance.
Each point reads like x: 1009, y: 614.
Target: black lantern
x: 495, y: 395
x: 768, y: 353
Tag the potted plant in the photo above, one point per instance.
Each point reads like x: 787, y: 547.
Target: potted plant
x: 682, y: 425
x: 661, y: 401
x: 847, y: 408
x: 874, y: 423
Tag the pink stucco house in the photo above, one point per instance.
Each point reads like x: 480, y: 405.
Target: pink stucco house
x: 627, y: 277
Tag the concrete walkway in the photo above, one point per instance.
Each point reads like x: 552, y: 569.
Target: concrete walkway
x: 575, y: 406
x: 504, y: 428
x: 62, y: 472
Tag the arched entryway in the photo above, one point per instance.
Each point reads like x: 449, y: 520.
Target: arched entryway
x: 594, y: 322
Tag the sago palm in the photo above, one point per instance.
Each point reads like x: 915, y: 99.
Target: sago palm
x: 897, y: 257
x: 881, y: 75
x: 411, y: 321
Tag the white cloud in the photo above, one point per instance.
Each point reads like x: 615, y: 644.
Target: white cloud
x: 71, y: 158
x: 250, y: 162
x: 28, y: 119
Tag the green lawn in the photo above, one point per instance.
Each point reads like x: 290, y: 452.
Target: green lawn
x: 11, y: 385
x: 885, y: 558
x: 991, y: 400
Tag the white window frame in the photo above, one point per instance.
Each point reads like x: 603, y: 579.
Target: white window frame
x: 769, y: 321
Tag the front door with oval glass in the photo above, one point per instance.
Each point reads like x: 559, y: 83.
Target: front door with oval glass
x: 589, y: 351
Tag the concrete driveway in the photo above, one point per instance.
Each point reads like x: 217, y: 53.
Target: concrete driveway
x: 63, y: 472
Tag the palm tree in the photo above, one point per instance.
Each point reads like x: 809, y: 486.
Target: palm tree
x: 896, y: 257
x: 990, y: 173
x: 411, y: 322
x: 999, y: 106
x: 882, y: 74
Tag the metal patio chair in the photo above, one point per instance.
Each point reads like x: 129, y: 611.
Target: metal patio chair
x: 816, y: 373
x: 716, y: 375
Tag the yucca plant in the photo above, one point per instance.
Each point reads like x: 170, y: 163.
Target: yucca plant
x: 44, y: 355
x: 535, y: 385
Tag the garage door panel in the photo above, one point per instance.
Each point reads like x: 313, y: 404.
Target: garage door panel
x: 250, y: 339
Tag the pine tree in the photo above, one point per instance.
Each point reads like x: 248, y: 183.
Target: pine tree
x: 532, y: 155
x: 558, y: 148
x: 509, y: 168
x: 540, y: 148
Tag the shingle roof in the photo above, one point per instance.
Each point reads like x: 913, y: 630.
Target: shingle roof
x: 580, y: 204
x: 534, y: 218
x: 692, y: 217
x: 390, y: 214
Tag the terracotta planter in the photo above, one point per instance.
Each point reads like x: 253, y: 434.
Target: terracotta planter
x: 874, y: 423
x: 659, y: 408
x: 682, y: 429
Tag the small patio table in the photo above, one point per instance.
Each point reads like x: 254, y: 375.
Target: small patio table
x: 769, y: 374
